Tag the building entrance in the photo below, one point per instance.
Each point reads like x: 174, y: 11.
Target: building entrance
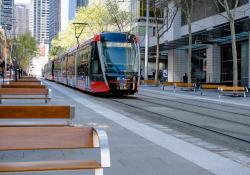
x: 227, y: 63
x: 199, y: 62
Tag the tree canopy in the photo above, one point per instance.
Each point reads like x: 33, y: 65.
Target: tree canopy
x: 98, y: 18
x: 24, y: 47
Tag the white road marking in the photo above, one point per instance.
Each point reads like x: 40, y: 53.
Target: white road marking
x: 210, y: 161
x: 195, y: 97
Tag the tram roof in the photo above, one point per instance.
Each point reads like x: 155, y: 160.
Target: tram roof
x: 105, y: 36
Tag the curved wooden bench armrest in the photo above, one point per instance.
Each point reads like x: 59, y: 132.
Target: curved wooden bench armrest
x: 44, y: 138
x: 101, y: 141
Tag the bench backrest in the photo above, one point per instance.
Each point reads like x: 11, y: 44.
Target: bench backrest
x: 33, y: 138
x: 211, y: 86
x: 232, y: 88
x: 28, y: 80
x: 22, y: 86
x: 24, y: 82
x: 167, y: 83
x: 36, y: 112
x: 24, y: 91
x: 28, y: 77
x: 181, y: 84
x: 151, y: 81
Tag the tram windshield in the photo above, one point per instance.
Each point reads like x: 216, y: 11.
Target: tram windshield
x: 120, y: 57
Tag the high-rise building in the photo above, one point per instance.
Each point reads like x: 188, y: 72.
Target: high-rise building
x: 54, y: 18
x: 39, y: 20
x: 7, y: 14
x: 21, y: 16
x: 82, y: 3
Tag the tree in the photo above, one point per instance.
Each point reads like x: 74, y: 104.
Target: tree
x: 230, y: 9
x: 117, y: 17
x: 94, y: 16
x: 24, y: 47
x: 56, y: 48
x: 187, y: 7
x: 168, y: 19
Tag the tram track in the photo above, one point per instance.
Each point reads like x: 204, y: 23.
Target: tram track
x: 201, y: 113
x: 190, y: 123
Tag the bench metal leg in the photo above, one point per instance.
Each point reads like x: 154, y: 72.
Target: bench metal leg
x: 99, y: 171
x: 0, y: 99
x: 244, y: 94
x: 46, y: 101
x: 219, y: 95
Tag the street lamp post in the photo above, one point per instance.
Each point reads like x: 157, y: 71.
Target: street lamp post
x: 79, y: 26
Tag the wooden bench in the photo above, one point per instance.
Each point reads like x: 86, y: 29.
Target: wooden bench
x: 185, y: 86
x: 41, y: 138
x: 151, y: 82
x: 36, y: 115
x: 235, y: 90
x: 5, y: 93
x: 23, y: 86
x: 30, y: 83
x: 28, y: 77
x: 166, y: 83
x: 28, y: 80
x: 204, y: 87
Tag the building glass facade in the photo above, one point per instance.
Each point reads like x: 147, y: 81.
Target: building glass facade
x: 82, y: 3
x: 7, y: 12
x: 21, y: 19
x: 206, y: 8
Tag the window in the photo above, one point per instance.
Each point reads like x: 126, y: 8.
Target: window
x: 206, y: 8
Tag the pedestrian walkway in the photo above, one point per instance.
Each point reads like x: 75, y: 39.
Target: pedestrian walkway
x: 136, y: 149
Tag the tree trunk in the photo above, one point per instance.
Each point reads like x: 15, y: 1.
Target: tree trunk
x: 157, y: 57
x: 189, y: 50
x: 234, y: 52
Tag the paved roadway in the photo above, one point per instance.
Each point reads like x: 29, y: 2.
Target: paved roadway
x: 151, y: 133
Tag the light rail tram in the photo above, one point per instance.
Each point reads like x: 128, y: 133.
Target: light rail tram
x: 109, y: 63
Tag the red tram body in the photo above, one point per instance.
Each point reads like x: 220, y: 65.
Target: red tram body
x: 107, y: 63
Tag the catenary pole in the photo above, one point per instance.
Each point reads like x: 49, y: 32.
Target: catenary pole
x: 146, y: 42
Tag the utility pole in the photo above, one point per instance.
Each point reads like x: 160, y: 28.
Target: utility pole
x: 146, y: 42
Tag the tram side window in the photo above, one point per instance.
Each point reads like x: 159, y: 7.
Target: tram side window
x: 82, y: 64
x: 95, y: 62
x: 80, y: 69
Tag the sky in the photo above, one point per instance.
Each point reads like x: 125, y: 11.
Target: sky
x: 22, y: 1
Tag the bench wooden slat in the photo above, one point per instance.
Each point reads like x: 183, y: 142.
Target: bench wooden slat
x: 167, y: 83
x: 28, y: 80
x: 24, y: 91
x: 48, y: 165
x: 233, y: 88
x: 25, y: 112
x: 21, y: 83
x: 152, y: 82
x: 25, y: 123
x: 211, y: 86
x: 22, y: 86
x: 30, y: 138
x: 181, y: 84
x: 28, y: 77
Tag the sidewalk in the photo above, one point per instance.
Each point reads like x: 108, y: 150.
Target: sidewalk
x: 136, y: 149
